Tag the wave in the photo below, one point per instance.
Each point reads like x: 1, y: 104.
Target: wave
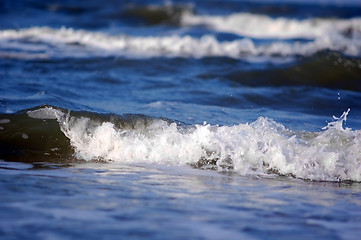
x: 262, y: 26
x: 53, y: 134
x: 324, y: 69
x: 168, y: 14
x: 45, y: 42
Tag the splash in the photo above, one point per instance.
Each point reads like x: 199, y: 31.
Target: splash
x: 259, y: 148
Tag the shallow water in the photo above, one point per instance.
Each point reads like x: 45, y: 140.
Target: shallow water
x: 181, y: 119
x: 134, y: 201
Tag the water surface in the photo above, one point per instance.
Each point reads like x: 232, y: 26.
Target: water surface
x: 180, y: 119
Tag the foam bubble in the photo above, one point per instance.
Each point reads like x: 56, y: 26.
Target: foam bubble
x: 24, y: 136
x: 4, y: 121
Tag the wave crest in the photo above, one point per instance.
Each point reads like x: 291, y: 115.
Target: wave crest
x: 44, y: 42
x: 262, y: 26
x: 258, y: 148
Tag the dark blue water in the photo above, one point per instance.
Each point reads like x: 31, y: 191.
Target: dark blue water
x: 180, y: 119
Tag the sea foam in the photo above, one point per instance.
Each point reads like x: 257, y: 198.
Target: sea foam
x: 258, y: 148
x: 311, y: 36
x: 262, y: 26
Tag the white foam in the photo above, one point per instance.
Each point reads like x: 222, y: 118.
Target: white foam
x: 261, y: 147
x: 46, y: 113
x: 24, y: 136
x: 3, y: 121
x: 262, y: 26
x: 44, y: 42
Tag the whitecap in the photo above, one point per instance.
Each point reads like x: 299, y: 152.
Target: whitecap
x: 67, y: 42
x: 262, y: 26
x: 258, y: 148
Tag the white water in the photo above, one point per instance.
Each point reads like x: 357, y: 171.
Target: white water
x: 262, y: 26
x: 321, y: 34
x: 258, y: 148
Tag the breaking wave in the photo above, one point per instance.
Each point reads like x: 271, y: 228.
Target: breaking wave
x: 262, y: 26
x: 53, y: 134
x: 281, y: 38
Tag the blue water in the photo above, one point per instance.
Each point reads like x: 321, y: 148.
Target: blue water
x: 180, y: 119
x: 154, y: 202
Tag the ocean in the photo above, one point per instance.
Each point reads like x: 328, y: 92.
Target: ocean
x: 180, y: 119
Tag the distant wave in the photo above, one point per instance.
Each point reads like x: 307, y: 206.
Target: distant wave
x: 262, y: 26
x: 324, y: 69
x: 262, y: 147
x: 315, y: 35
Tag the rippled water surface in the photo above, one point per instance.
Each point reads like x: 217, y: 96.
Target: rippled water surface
x: 180, y: 119
x: 157, y: 202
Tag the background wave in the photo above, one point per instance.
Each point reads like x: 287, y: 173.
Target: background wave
x: 46, y: 42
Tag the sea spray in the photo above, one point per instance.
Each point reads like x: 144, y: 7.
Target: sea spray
x: 258, y: 148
